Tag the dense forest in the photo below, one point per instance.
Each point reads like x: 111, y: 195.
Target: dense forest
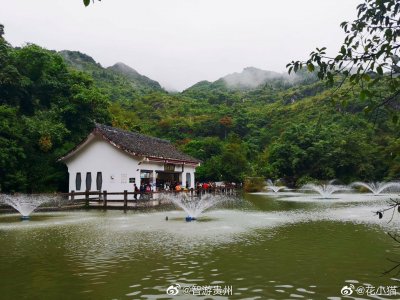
x: 250, y: 124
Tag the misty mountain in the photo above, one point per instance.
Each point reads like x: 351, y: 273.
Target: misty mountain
x: 122, y: 83
x: 79, y: 60
x: 251, y: 78
x: 119, y: 82
x: 256, y: 85
x: 134, y: 76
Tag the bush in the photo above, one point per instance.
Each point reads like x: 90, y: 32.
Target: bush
x: 254, y: 184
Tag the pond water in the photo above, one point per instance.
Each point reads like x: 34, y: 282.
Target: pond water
x: 290, y: 246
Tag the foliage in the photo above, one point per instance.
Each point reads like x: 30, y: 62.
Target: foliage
x: 253, y: 184
x: 12, y: 174
x: 322, y: 152
x: 368, y: 57
x: 45, y: 110
x: 118, y: 82
x: 87, y: 2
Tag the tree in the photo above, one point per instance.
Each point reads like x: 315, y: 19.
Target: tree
x: 226, y: 122
x: 12, y: 157
x: 368, y: 58
x: 234, y: 161
x: 45, y: 109
x: 323, y: 152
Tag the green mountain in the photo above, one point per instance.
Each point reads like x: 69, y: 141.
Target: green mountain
x: 253, y: 78
x: 119, y: 82
x: 257, y: 86
x: 135, y: 77
x: 80, y: 61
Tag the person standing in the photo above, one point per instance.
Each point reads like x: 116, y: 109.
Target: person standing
x: 142, y: 191
x: 148, y: 191
x: 136, y: 190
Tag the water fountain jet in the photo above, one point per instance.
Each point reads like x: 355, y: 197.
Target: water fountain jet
x: 273, y: 187
x: 25, y: 204
x: 377, y: 187
x: 325, y: 190
x: 194, y: 206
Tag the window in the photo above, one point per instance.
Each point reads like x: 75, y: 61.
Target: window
x: 88, y: 181
x: 188, y: 180
x: 78, y: 181
x: 99, y: 181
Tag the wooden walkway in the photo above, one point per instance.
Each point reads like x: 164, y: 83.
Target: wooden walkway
x: 126, y: 200
x: 118, y: 200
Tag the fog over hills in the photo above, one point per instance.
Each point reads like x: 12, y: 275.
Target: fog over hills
x: 119, y: 74
x: 250, y: 77
x: 132, y: 74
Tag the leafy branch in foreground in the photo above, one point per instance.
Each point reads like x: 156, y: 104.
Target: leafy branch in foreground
x: 395, y: 267
x: 87, y: 2
x: 369, y: 55
x: 397, y: 263
x: 393, y: 206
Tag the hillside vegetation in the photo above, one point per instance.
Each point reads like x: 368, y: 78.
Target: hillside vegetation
x: 253, y: 123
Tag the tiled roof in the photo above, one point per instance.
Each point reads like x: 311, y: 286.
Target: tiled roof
x: 140, y: 145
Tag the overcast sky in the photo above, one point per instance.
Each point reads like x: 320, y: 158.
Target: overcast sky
x: 180, y: 42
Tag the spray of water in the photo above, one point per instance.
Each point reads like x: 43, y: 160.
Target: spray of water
x: 273, y: 187
x: 325, y: 190
x: 25, y: 204
x: 378, y: 187
x: 194, y: 206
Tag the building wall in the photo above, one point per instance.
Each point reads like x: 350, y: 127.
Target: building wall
x: 99, y: 156
x: 116, y: 166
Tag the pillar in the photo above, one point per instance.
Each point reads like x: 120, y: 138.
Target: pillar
x: 183, y: 180
x: 154, y: 178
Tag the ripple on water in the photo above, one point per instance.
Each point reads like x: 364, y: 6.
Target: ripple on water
x: 302, y: 290
x: 351, y: 281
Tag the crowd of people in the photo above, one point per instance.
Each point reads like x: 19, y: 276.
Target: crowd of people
x: 145, y: 190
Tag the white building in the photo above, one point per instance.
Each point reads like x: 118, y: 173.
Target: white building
x: 114, y: 160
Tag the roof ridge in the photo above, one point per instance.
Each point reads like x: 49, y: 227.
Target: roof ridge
x: 102, y: 126
x: 140, y: 144
x: 136, y: 144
